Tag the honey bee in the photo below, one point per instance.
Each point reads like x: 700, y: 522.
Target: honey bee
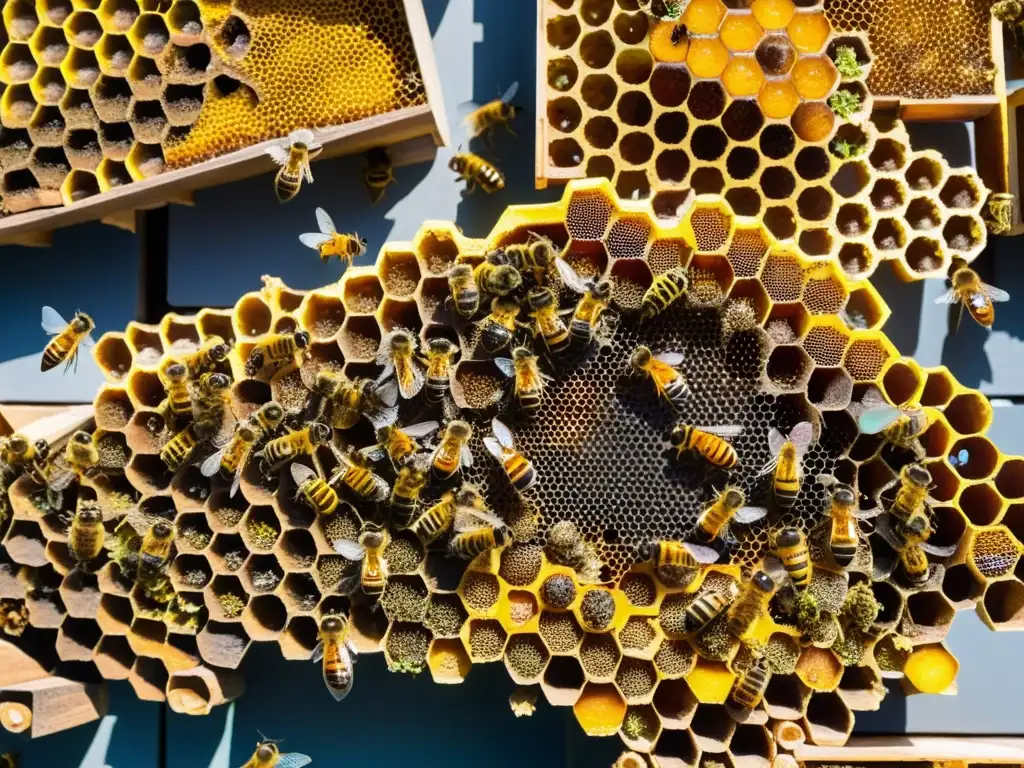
x: 350, y: 400
x: 452, y: 453
x: 440, y: 356
x: 398, y: 443
x: 518, y: 468
x: 528, y: 380
x: 968, y: 289
x: 998, y: 213
x: 81, y: 458
x: 900, y: 425
x: 500, y: 111
x: 911, y: 498
x: 750, y: 604
x: 494, y: 275
x: 476, y: 171
x: 405, y: 495
x: 464, y: 292
x: 328, y: 242
x: 63, y: 347
x: 709, y: 442
x: 20, y: 454
x: 155, y: 552
x: 85, y: 539
x: 293, y: 155
x: 668, y: 381
x: 791, y: 549
x: 267, y: 755
x: 548, y: 322
x: 679, y: 33
x: 844, y: 532
x: 14, y: 617
x: 910, y: 542
x: 337, y: 653
x: 210, y: 405
x: 477, y: 531
x: 706, y: 608
x: 314, y: 490
x: 378, y: 173
x: 174, y: 377
x: 592, y: 318
x: 749, y: 688
x: 727, y: 507
x: 179, y: 448
x: 787, y: 462
x: 233, y: 456
x: 297, y: 443
x: 276, y: 350
x: 212, y: 352
x: 397, y: 353
x: 500, y: 326
x: 533, y: 258
x: 368, y: 551
x: 677, y: 563
x: 666, y: 289
x: 357, y: 477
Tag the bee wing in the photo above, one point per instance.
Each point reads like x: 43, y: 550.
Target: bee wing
x: 88, y: 340
x: 670, y: 358
x: 301, y: 474
x: 775, y: 441
x: 373, y: 453
x: 872, y: 398
x: 949, y: 297
x: 61, y: 481
x: 384, y: 416
x: 318, y: 653
x: 387, y: 391
x: 422, y: 429
x: 307, y: 172
x: 293, y: 760
x: 935, y: 549
x: 877, y: 418
x: 829, y: 481
x: 278, y: 153
x: 801, y: 436
x: 237, y: 480
x: 211, y: 465
x: 302, y: 136
x: 747, y: 515
x: 314, y: 239
x: 324, y: 221
x: 502, y: 434
x: 884, y: 528
x: 774, y: 568
x: 413, y: 384
x: 506, y: 366
x: 570, y: 276
x: 510, y: 92
x: 867, y: 514
x: 478, y: 516
x: 705, y: 555
x: 724, y: 430
x: 381, y: 489
x: 993, y: 293
x: 494, y: 448
x: 466, y: 456
x: 350, y: 550
x: 53, y: 323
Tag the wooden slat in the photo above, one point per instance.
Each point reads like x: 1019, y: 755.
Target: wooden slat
x: 917, y: 748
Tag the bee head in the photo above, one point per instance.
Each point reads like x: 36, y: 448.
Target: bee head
x: 762, y: 581
x: 81, y: 438
x: 601, y: 290
x: 272, y: 412
x: 90, y: 514
x: 455, y: 164
x: 507, y: 279
x: 18, y: 443
x: 372, y: 538
x: 246, y: 432
x: 218, y: 349
x: 917, y: 526
x: 521, y: 353
x: 502, y: 536
x: 460, y: 430
x: 82, y: 323
x: 325, y: 381
x: 467, y: 496
x: 302, y: 339
x: 844, y: 496
x: 460, y: 270
x: 538, y: 298
x: 542, y: 252
x: 789, y: 537
x: 216, y: 382
x: 401, y: 342
x: 266, y: 750
x: 734, y: 498
x: 163, y: 530
x: 319, y: 433
x: 676, y: 436
x: 332, y: 624
x: 647, y: 550
x: 916, y: 475
x: 175, y: 371
x: 641, y: 356
x: 441, y: 346
x: 42, y: 448
x: 509, y: 111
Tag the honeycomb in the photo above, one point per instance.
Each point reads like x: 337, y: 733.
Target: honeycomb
x: 757, y: 126
x: 615, y: 646
x: 100, y: 95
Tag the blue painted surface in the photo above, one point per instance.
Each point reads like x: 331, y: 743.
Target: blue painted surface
x: 237, y: 232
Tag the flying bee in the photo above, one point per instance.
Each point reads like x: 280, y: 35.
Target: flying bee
x: 728, y: 507
x: 353, y: 473
x: 441, y: 354
x: 749, y: 688
x: 174, y: 377
x: 494, y: 275
x: 368, y: 551
x: 911, y: 497
x: 662, y: 370
x: 155, y: 552
x: 968, y: 289
x: 750, y: 604
x: 293, y: 155
x: 233, y: 456
x: 844, y: 538
x: 337, y: 653
x: 378, y: 173
x: 900, y: 425
x: 500, y: 326
x: 85, y: 539
x: 709, y: 442
x: 179, y: 448
x: 547, y: 319
x: 397, y: 353
x: 592, y: 318
x: 81, y: 459
x: 500, y: 111
x: 534, y: 257
x: 476, y: 532
x: 452, y: 453
x: 464, y: 292
x: 277, y: 350
x: 666, y: 289
x: 314, y: 490
x: 787, y: 462
x: 518, y: 468
x: 795, y: 558
x: 211, y: 353
x: 476, y: 171
x: 267, y: 755
x: 707, y: 607
x: 528, y: 380
x: 912, y: 547
x: 210, y: 404
x: 328, y: 242
x: 297, y: 443
x: 405, y: 495
x: 349, y: 400
x: 67, y: 337
x: 398, y: 443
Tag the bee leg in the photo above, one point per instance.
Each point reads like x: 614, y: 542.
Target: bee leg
x: 509, y: 127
